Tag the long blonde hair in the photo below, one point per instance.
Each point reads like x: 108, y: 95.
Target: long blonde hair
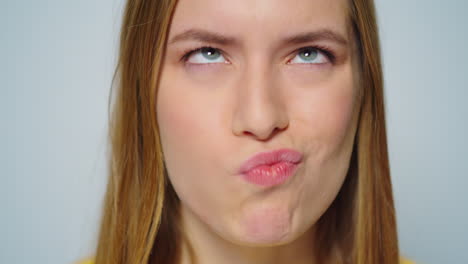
x: 139, y: 223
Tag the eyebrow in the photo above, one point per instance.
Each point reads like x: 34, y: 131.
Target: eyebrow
x: 203, y: 36
x: 216, y: 38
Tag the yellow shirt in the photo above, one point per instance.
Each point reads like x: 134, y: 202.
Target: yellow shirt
x: 86, y: 262
x: 403, y: 261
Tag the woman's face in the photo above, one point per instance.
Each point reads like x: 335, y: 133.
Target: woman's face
x: 257, y: 90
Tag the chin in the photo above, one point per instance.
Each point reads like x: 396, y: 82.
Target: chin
x: 265, y: 227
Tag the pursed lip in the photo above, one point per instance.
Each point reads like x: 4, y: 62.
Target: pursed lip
x: 270, y: 158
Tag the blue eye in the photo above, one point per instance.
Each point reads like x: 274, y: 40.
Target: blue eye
x: 310, y: 55
x: 205, y: 55
x: 306, y: 55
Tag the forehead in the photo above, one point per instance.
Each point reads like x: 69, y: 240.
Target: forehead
x: 260, y: 19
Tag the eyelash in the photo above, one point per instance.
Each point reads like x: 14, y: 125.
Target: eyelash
x: 325, y: 50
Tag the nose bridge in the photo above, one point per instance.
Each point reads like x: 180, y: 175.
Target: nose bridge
x: 260, y: 108
x: 256, y: 81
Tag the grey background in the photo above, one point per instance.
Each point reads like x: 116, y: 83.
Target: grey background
x: 57, y: 60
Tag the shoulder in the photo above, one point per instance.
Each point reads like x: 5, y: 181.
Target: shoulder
x: 406, y: 261
x: 89, y: 261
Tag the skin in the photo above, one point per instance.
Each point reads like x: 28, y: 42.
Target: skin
x: 257, y: 96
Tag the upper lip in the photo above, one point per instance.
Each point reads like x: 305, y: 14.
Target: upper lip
x: 271, y: 157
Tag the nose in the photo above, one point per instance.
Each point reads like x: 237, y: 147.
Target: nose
x: 260, y: 108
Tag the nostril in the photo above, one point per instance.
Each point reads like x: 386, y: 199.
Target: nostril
x: 263, y: 136
x: 247, y: 133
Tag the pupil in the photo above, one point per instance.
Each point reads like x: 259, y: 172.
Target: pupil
x: 309, y: 54
x: 210, y: 53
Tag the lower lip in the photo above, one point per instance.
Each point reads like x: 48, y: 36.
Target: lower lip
x: 270, y: 175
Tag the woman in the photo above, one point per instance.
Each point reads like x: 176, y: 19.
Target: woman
x: 249, y: 132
